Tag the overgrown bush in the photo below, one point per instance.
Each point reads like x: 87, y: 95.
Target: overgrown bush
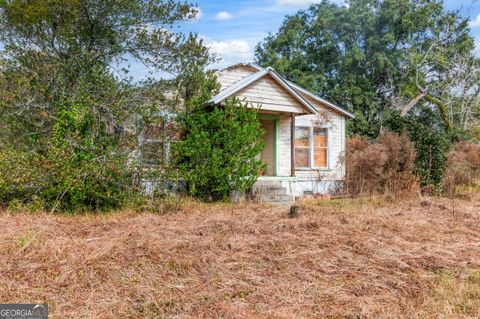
x: 463, y: 166
x: 218, y: 153
x: 78, y: 167
x: 432, y: 144
x: 385, y: 166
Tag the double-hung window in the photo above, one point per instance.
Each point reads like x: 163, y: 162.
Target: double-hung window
x: 311, y: 147
x: 154, y: 146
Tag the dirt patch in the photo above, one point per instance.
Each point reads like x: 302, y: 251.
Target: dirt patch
x: 339, y: 259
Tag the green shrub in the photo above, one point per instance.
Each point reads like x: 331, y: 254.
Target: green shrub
x: 432, y: 144
x: 78, y: 167
x: 219, y: 150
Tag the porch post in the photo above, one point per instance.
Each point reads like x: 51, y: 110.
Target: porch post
x: 292, y: 144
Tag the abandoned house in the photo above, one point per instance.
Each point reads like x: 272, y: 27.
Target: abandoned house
x: 305, y: 134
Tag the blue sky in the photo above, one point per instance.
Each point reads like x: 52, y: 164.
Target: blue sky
x: 232, y: 29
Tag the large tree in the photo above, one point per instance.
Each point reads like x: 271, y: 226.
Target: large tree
x: 372, y: 56
x: 65, y: 114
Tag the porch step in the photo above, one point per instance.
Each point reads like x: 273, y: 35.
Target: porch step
x: 271, y: 192
x: 268, y: 184
x: 275, y: 198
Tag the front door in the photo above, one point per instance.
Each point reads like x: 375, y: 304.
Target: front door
x: 268, y: 153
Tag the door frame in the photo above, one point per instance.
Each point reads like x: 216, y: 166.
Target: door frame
x: 276, y: 134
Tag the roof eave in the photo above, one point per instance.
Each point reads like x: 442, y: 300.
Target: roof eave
x: 313, y: 96
x: 319, y: 99
x: 231, y: 90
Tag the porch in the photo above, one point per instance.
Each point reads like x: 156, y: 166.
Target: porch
x: 276, y: 182
x: 297, y: 157
x: 279, y: 151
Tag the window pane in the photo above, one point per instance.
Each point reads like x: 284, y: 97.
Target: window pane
x: 319, y: 137
x: 301, y: 157
x: 153, y: 154
x: 301, y: 136
x: 320, y: 157
x: 153, y: 131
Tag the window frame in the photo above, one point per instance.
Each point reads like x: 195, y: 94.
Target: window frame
x: 163, y: 143
x: 311, y: 148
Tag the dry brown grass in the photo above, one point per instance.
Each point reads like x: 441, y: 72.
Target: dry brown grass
x: 362, y: 258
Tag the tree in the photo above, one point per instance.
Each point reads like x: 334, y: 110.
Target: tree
x: 65, y: 115
x: 372, y: 55
x: 219, y: 151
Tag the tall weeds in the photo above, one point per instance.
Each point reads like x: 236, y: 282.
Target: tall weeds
x: 385, y: 166
x: 463, y: 167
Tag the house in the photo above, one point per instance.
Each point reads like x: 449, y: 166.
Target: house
x: 305, y: 134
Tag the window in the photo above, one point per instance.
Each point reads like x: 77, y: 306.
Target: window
x: 311, y: 147
x: 154, y: 153
x: 302, y: 147
x: 154, y: 145
x: 320, y: 147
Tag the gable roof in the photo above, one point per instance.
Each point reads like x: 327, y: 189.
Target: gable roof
x: 229, y: 91
x: 246, y: 81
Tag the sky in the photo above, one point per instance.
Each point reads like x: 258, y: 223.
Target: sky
x: 232, y: 28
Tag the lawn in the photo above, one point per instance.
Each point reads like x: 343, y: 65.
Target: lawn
x: 362, y: 258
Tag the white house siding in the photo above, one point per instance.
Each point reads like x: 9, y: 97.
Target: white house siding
x: 284, y: 147
x: 229, y: 76
x: 273, y: 98
x: 324, y: 180
x: 264, y: 93
x: 315, y: 181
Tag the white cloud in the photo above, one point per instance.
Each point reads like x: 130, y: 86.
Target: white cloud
x: 223, y: 15
x: 477, y: 46
x: 476, y: 22
x: 296, y: 3
x: 230, y: 51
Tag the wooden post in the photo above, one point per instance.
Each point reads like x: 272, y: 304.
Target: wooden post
x: 292, y: 144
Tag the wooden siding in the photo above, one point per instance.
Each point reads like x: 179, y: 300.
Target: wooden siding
x: 228, y: 77
x: 273, y: 98
x: 284, y: 149
x: 336, y: 144
x: 268, y: 95
x: 265, y: 93
x: 336, y: 140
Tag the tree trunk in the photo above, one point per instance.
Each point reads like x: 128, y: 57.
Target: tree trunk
x: 411, y: 104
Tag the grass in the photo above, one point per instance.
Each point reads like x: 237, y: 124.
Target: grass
x: 350, y: 258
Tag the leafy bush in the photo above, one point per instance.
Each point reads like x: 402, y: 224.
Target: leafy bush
x: 431, y: 142
x: 385, y: 166
x: 77, y: 168
x: 218, y: 153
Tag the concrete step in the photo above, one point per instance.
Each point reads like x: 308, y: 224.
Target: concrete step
x: 271, y: 197
x: 268, y: 184
x: 270, y: 191
x: 279, y: 199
